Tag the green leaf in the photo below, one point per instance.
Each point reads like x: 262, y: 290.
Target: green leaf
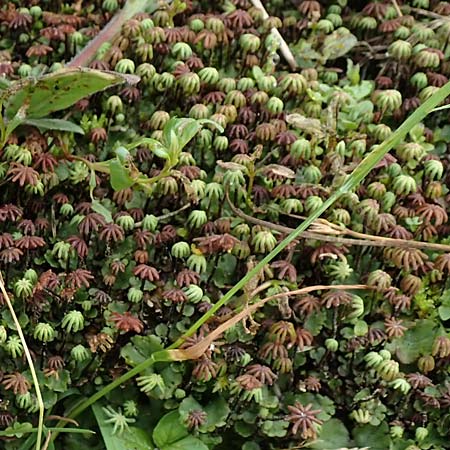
x: 140, y: 348
x: 444, y: 312
x: 251, y: 446
x: 186, y: 130
x: 359, y: 91
x: 100, y: 209
x: 169, y: 430
x: 187, y: 405
x: 123, y: 154
x: 244, y: 429
x: 16, y: 121
x: 4, y: 83
x: 225, y: 270
x: 172, y: 380
x: 338, y: 43
x: 56, y: 91
x: 217, y: 411
x: 333, y: 434
x: 54, y: 124
x: 361, y: 328
x: 18, y: 429
x: 257, y: 73
x: 119, y: 175
x: 155, y: 146
x: 178, y: 132
x: 160, y: 151
x: 376, y: 438
x: 275, y: 428
x: 305, y: 55
x: 444, y: 309
x: 7, y: 317
x: 315, y: 322
x: 131, y: 439
x: 60, y: 383
x: 188, y: 443
x: 170, y: 139
x: 269, y: 399
x: 415, y: 342
x: 136, y: 439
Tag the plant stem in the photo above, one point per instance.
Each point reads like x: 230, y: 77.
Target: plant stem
x: 397, y: 8
x: 284, y: 48
x: 166, y: 216
x: 111, y: 30
x: 29, y: 361
x: 322, y: 230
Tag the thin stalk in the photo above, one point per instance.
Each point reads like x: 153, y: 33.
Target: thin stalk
x: 322, y: 230
x: 284, y: 47
x: 166, y: 216
x: 30, y: 364
x: 397, y: 8
x: 47, y: 441
x: 111, y: 30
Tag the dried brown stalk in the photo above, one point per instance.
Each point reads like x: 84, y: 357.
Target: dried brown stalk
x: 111, y: 31
x: 284, y: 48
x: 322, y: 230
x: 197, y: 350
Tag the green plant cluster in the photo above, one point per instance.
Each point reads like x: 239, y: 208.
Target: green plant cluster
x: 124, y: 219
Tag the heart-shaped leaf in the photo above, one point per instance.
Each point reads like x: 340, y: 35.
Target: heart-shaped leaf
x: 169, y: 430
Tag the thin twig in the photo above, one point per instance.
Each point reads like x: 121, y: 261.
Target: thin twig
x: 397, y: 8
x: 111, y: 31
x: 260, y: 288
x: 166, y: 216
x: 323, y: 226
x: 197, y: 350
x: 284, y: 48
x: 29, y: 361
x: 64, y: 419
x: 424, y: 12
x: 173, y: 213
x: 47, y: 441
x: 308, y: 289
x: 328, y: 232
